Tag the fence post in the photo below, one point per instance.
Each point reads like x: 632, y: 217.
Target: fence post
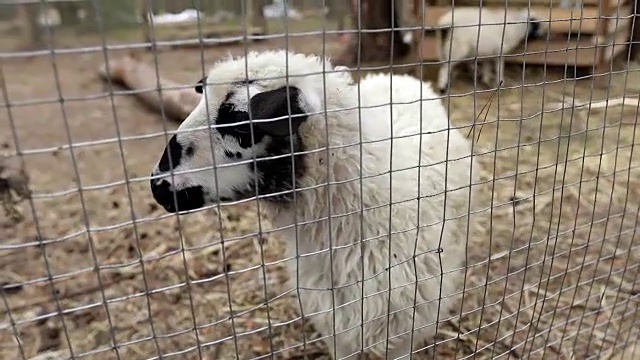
x: 28, y: 15
x: 398, y: 6
x: 143, y: 10
x: 68, y: 13
x: 255, y: 14
x: 635, y: 36
x: 337, y: 10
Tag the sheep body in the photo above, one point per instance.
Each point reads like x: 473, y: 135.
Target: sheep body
x: 347, y: 143
x: 344, y: 231
x: 472, y: 31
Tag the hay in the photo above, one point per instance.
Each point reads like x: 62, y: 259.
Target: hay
x: 560, y: 235
x: 552, y: 265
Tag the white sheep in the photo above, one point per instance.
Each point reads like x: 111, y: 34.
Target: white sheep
x: 332, y: 214
x: 469, y: 32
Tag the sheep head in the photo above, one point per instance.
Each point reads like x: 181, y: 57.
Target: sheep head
x: 251, y: 108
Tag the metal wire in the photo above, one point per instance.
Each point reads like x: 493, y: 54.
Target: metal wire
x: 551, y: 255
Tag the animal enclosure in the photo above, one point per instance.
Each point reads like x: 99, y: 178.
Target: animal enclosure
x: 92, y: 266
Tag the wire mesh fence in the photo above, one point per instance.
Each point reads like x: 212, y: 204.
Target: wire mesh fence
x: 179, y: 181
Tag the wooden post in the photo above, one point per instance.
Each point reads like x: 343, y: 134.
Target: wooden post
x: 398, y: 7
x: 116, y: 14
x: 28, y: 15
x: 143, y: 10
x: 249, y: 8
x: 417, y: 10
x: 68, y: 13
x: 136, y: 75
x: 601, y: 67
x: 373, y: 47
x: 90, y: 20
x: 337, y: 9
x: 256, y: 16
x: 635, y: 36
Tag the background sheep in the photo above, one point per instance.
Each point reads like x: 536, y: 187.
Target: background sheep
x: 356, y: 159
x: 469, y: 32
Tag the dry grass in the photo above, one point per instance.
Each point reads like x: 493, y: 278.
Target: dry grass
x: 552, y: 263
x: 561, y: 231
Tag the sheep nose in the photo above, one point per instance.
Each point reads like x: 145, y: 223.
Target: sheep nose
x: 172, y: 200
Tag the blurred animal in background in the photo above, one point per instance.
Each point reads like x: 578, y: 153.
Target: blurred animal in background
x: 469, y: 32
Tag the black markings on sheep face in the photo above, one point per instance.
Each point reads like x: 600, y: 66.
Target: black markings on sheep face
x: 275, y: 172
x: 228, y: 116
x: 535, y: 29
x: 171, y: 156
x: 277, y: 137
x: 233, y: 155
x: 273, y: 175
x: 234, y: 122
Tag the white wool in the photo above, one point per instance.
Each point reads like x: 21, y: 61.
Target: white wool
x: 346, y: 227
x: 439, y: 150
x: 472, y: 32
x: 271, y: 70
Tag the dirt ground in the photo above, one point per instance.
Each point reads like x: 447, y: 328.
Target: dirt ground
x: 552, y: 264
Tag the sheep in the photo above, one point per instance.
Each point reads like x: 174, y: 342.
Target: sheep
x: 332, y: 215
x: 500, y: 33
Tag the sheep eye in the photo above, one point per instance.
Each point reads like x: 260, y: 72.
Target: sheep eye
x: 200, y: 84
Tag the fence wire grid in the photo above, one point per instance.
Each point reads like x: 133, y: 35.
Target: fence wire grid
x: 540, y: 261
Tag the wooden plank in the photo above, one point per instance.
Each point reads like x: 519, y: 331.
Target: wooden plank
x: 23, y: 2
x: 556, y: 52
x: 539, y: 3
x: 205, y: 32
x: 561, y: 20
x: 136, y: 75
x: 537, y: 52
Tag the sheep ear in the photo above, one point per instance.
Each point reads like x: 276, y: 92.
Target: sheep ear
x: 275, y: 104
